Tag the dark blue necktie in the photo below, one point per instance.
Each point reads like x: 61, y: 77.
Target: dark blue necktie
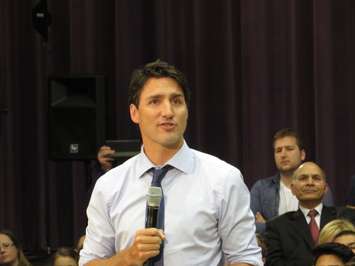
x: 158, y: 175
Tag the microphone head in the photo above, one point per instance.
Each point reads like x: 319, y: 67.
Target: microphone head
x: 154, y: 196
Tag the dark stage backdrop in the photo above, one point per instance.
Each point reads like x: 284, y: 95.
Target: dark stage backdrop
x: 254, y: 67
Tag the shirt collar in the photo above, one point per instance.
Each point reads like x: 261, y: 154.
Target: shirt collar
x: 305, y: 211
x: 183, y: 160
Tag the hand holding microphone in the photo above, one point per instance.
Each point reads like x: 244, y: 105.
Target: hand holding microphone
x: 147, y: 242
x: 146, y: 245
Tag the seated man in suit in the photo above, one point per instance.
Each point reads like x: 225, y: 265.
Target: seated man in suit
x: 291, y: 236
x: 272, y: 196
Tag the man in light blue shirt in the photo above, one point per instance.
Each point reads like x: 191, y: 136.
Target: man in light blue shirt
x: 207, y: 205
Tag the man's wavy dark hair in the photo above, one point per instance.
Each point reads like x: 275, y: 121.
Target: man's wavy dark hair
x: 156, y: 69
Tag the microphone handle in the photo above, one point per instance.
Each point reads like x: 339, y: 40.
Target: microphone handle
x: 151, y: 219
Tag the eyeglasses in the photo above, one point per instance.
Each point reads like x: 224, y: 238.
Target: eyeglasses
x: 6, y: 245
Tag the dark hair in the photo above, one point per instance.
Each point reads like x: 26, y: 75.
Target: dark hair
x: 66, y: 252
x: 341, y: 251
x: 351, y: 262
x: 22, y: 260
x: 156, y: 69
x: 288, y: 132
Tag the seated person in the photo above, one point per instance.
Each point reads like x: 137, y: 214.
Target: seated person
x: 332, y: 254
x: 80, y: 244
x: 11, y: 253
x: 332, y: 229
x: 272, y: 196
x: 291, y: 237
x: 65, y: 256
x: 105, y: 159
x: 104, y: 163
x: 346, y: 238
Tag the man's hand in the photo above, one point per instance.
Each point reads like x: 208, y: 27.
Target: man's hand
x: 259, y: 218
x: 146, y: 245
x: 104, y: 156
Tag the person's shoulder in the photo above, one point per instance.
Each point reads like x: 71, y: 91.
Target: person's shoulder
x: 284, y: 218
x: 268, y: 181
x: 211, y: 162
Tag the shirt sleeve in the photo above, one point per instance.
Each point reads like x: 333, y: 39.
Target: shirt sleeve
x: 255, y: 198
x: 237, y: 222
x: 100, y: 237
x: 255, y: 204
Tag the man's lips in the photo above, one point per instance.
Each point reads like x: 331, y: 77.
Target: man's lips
x: 310, y: 190
x: 167, y: 125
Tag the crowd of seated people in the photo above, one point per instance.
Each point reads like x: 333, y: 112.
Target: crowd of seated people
x: 11, y: 253
x: 294, y: 209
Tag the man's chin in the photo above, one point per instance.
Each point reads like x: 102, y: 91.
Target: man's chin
x: 311, y: 198
x: 173, y: 143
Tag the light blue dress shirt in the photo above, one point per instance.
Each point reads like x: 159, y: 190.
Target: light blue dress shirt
x: 207, y: 211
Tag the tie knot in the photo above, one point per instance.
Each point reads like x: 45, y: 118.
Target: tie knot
x: 158, y: 175
x: 312, y: 213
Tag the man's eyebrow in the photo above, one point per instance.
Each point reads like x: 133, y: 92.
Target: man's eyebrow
x: 177, y: 95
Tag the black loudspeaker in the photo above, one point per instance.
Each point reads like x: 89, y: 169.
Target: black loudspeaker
x: 76, y: 116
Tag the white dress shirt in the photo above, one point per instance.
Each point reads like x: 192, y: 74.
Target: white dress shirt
x: 207, y: 211
x: 288, y: 202
x: 305, y: 212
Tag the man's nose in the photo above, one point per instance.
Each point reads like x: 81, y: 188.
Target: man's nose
x: 167, y: 109
x: 283, y: 152
x: 310, y: 181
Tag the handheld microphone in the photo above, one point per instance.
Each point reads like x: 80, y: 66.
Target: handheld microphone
x: 153, y: 202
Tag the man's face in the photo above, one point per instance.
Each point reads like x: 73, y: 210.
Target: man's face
x: 329, y: 260
x: 308, y: 183
x: 161, y: 113
x: 287, y: 154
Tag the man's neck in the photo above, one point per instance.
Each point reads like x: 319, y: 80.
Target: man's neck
x: 286, y: 179
x: 158, y: 154
x: 310, y: 204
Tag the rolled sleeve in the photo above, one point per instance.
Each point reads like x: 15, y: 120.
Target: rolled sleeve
x: 100, y: 237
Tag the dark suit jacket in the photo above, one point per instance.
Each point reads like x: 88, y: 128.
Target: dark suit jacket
x: 289, y: 240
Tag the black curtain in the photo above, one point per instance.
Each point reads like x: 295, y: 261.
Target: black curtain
x: 254, y: 67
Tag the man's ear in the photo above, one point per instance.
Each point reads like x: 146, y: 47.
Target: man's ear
x: 292, y: 188
x: 133, y: 111
x: 303, y: 155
